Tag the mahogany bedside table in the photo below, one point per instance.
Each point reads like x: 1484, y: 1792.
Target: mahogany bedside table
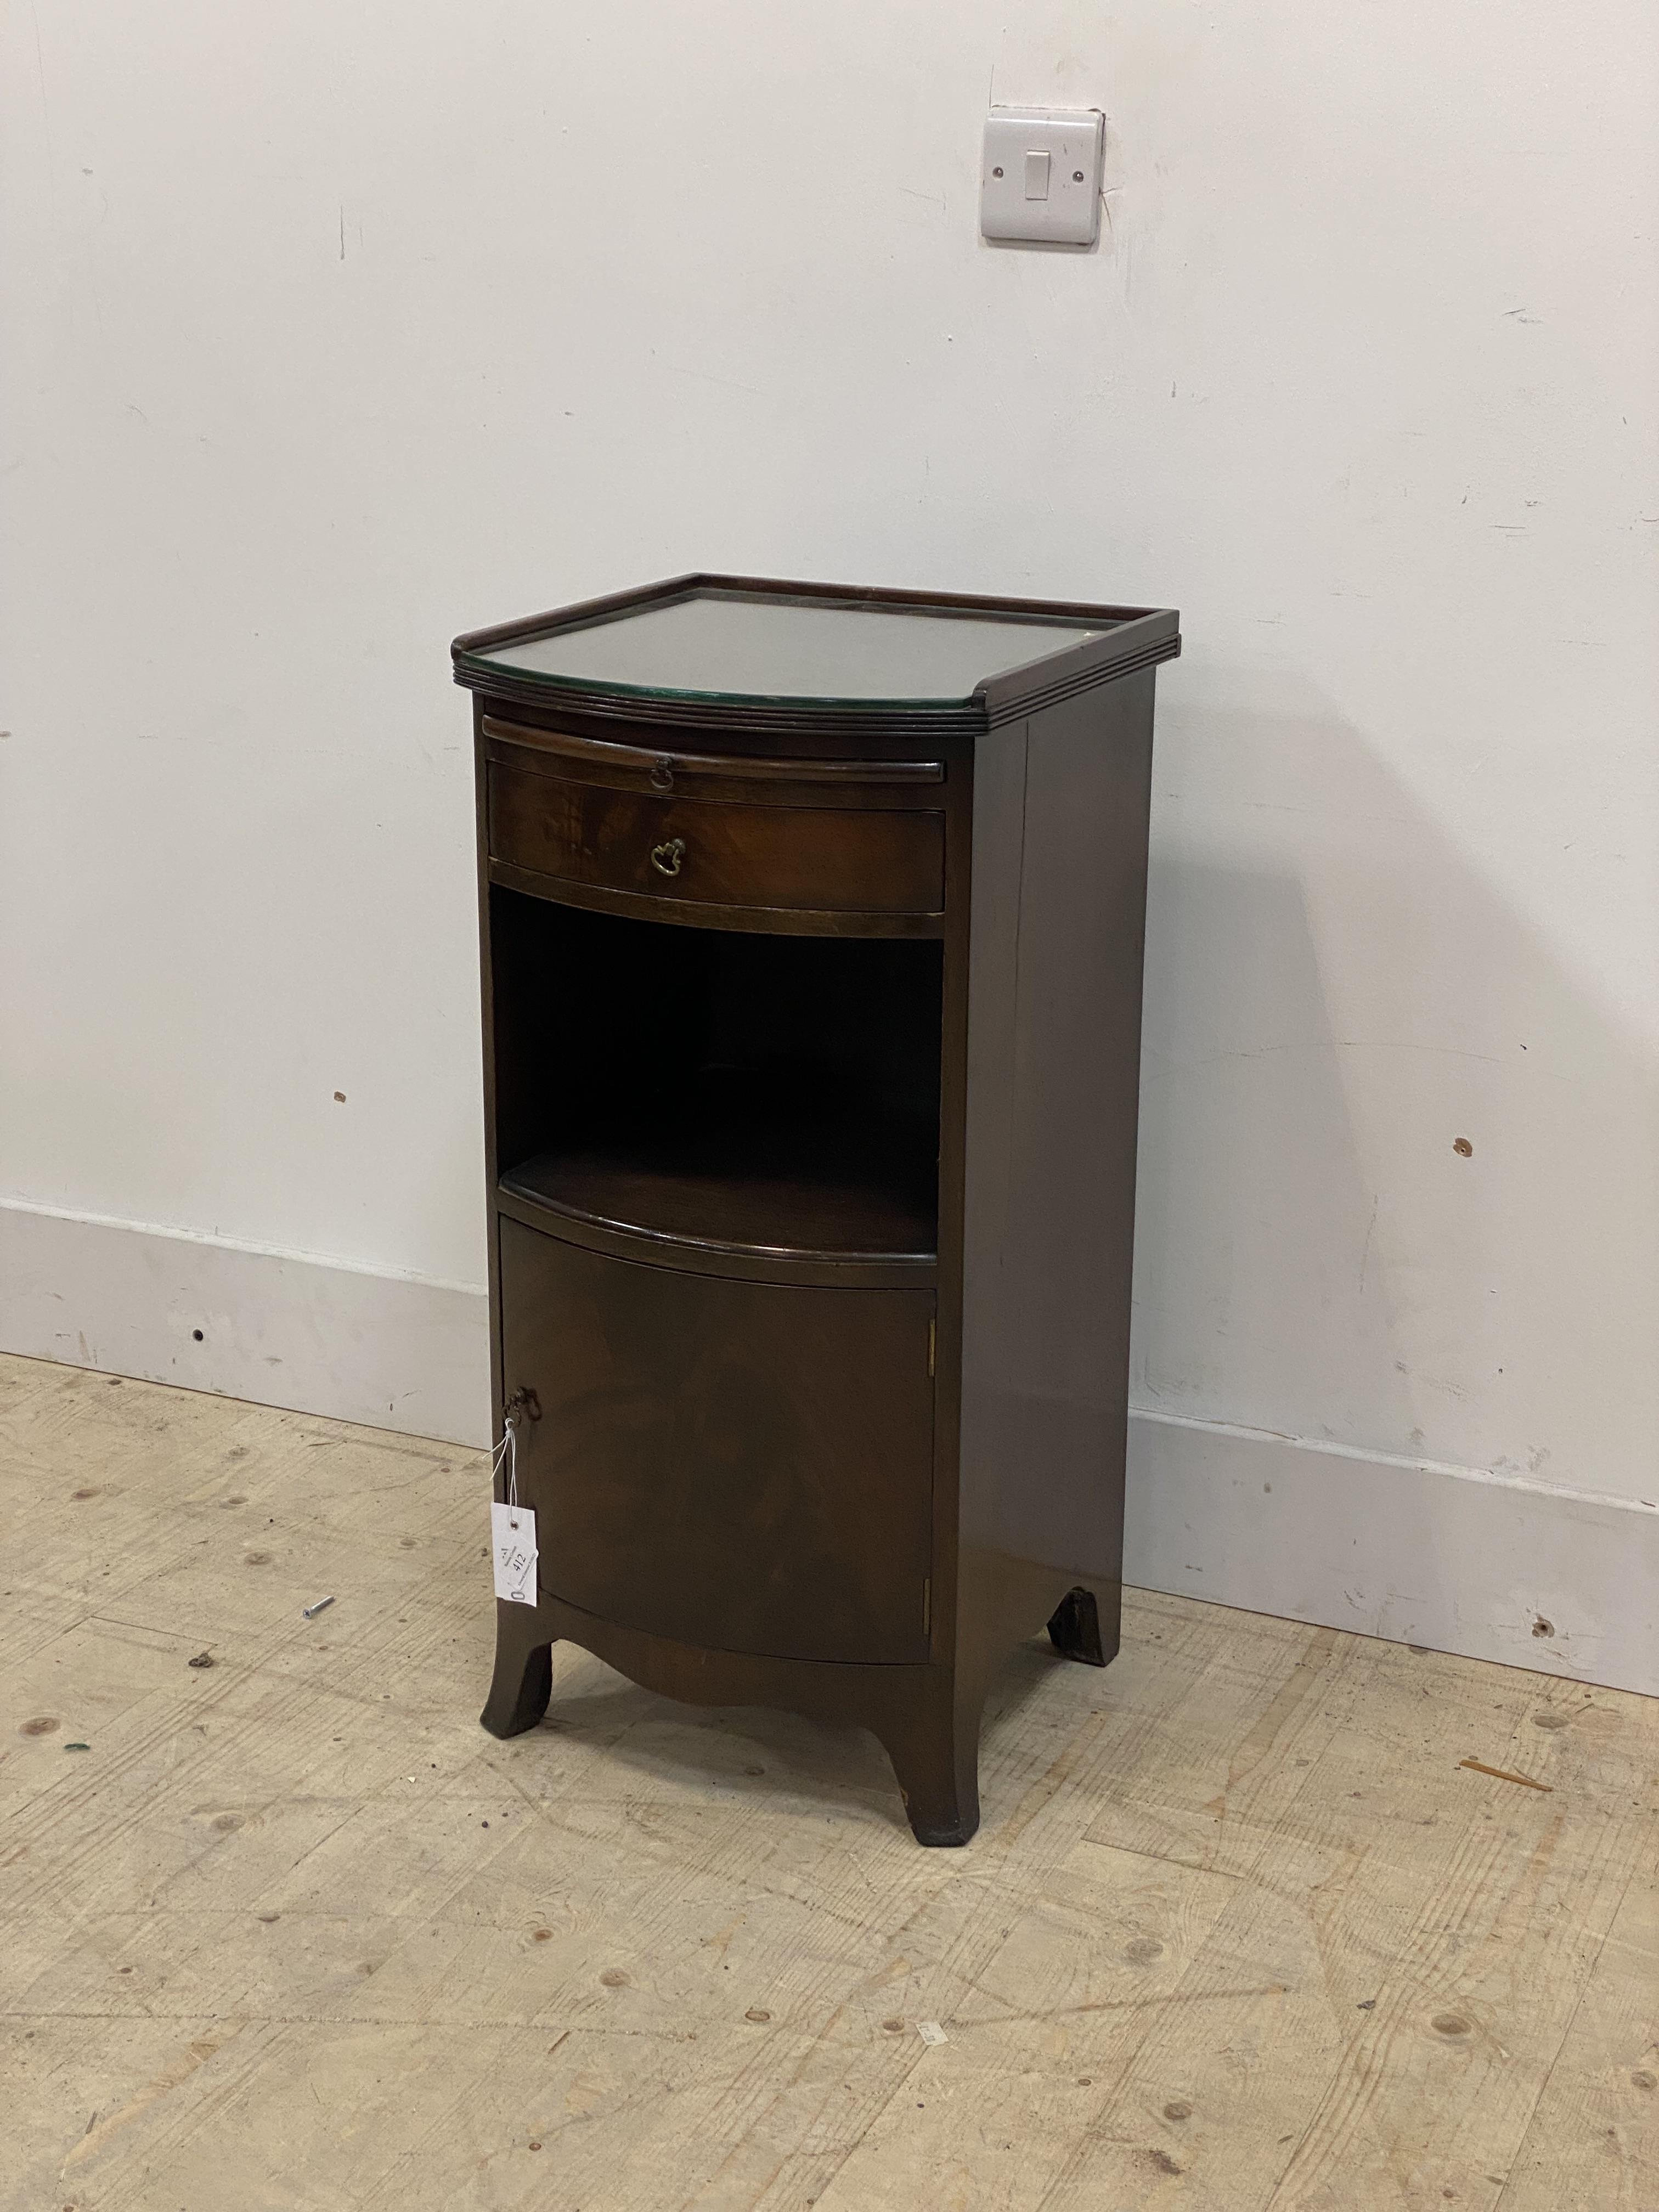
x: 811, y: 930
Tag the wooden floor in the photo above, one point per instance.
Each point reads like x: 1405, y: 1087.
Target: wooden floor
x: 1240, y: 1930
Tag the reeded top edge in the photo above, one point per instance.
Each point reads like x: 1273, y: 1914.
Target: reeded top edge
x: 762, y: 649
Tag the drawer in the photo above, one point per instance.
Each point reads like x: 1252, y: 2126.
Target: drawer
x: 832, y: 860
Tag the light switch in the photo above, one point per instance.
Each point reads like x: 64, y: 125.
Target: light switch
x: 1040, y: 178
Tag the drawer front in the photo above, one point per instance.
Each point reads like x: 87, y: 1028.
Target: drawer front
x: 745, y: 1467
x: 825, y: 858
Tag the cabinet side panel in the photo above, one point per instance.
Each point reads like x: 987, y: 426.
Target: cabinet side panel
x: 1054, y: 1048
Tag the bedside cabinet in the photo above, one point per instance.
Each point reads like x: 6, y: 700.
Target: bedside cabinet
x: 811, y: 924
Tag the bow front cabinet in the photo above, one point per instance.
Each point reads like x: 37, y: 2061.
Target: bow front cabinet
x: 812, y: 925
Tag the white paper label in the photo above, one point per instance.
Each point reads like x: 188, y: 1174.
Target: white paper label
x: 931, y: 2032
x: 512, y: 1528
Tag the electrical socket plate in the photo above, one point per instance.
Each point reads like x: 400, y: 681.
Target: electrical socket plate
x: 1041, y: 179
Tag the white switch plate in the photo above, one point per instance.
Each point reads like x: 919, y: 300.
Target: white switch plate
x: 1040, y: 178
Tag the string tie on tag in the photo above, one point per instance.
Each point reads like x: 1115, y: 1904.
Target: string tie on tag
x: 507, y: 1457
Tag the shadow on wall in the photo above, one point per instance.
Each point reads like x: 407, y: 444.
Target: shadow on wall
x: 1395, y: 1169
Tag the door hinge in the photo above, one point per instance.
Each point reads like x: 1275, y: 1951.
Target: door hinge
x: 932, y: 1344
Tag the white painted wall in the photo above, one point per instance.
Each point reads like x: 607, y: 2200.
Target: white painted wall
x: 333, y: 329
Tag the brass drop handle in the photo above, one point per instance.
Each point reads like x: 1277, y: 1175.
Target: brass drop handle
x: 666, y: 859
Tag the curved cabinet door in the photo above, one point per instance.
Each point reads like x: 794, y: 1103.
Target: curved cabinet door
x: 747, y: 1467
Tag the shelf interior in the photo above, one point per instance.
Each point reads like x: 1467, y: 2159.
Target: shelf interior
x: 748, y: 1092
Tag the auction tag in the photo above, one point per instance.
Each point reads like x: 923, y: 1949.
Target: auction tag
x: 513, y: 1529
x: 931, y: 2034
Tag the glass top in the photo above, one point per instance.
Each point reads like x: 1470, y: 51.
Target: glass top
x: 729, y: 645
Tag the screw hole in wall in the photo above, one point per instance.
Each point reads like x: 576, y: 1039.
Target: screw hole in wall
x: 197, y: 1333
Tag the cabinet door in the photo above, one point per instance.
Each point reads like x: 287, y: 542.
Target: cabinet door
x: 743, y: 1466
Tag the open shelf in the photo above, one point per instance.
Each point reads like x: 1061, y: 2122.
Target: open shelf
x: 728, y: 1091
x: 818, y: 1207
